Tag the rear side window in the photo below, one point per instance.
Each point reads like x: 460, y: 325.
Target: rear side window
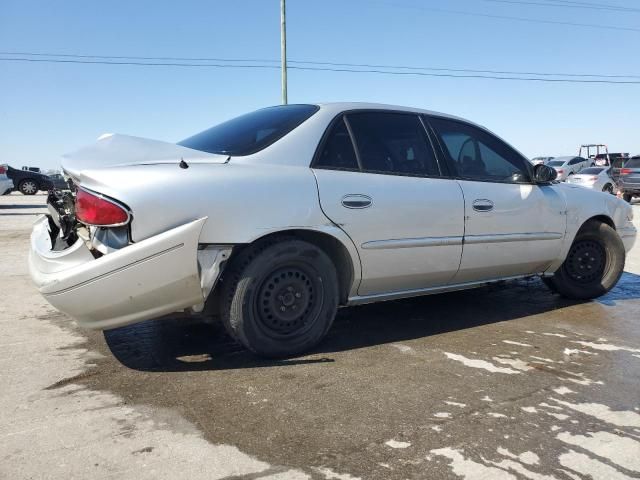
x: 338, y: 152
x: 252, y: 132
x: 577, y: 160
x: 392, y: 143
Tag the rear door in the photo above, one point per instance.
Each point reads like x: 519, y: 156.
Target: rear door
x: 379, y: 180
x: 512, y: 226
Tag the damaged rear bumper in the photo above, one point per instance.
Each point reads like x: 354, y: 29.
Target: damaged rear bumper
x: 162, y: 274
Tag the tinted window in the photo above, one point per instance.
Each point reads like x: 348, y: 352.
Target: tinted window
x: 393, y: 143
x: 477, y: 155
x: 633, y: 163
x: 338, y: 151
x: 556, y: 163
x: 252, y: 132
x: 576, y: 160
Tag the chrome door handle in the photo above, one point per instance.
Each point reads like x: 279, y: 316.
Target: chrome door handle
x: 482, y: 205
x: 356, y: 201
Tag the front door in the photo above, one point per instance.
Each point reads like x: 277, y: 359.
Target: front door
x: 512, y: 226
x: 387, y: 194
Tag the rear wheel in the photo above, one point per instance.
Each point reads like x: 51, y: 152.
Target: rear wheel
x: 593, y: 265
x: 280, y: 298
x: 608, y: 188
x: 28, y: 187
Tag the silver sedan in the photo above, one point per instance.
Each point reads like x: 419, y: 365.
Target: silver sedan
x: 595, y: 178
x: 275, y: 219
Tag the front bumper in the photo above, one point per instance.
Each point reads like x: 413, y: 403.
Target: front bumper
x: 141, y: 281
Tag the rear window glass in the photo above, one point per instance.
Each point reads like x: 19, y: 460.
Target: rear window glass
x: 555, y: 163
x: 591, y: 171
x: 633, y: 163
x: 252, y: 132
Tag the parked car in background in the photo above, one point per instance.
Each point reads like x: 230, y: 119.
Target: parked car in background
x: 567, y: 166
x: 595, y: 178
x: 28, y: 182
x: 6, y: 184
x: 274, y: 219
x: 541, y: 160
x: 629, y: 182
x: 59, y: 181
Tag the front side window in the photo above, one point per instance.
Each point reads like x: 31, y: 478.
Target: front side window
x: 392, y: 143
x: 478, y: 155
x: 337, y: 152
x: 252, y: 132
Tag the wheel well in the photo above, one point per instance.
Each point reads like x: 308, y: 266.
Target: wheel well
x: 599, y: 219
x: 336, y: 251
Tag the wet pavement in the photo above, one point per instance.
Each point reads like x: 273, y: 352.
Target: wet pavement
x: 493, y: 383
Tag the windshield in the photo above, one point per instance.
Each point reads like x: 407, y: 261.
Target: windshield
x: 252, y: 132
x: 556, y: 163
x: 591, y: 171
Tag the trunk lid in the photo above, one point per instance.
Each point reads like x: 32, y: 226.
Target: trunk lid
x: 116, y: 150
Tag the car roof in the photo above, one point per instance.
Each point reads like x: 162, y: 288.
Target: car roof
x: 338, y: 107
x: 565, y: 159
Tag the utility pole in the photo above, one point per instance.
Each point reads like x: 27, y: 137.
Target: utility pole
x: 283, y: 48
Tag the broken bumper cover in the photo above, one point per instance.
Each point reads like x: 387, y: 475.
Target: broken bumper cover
x: 145, y: 280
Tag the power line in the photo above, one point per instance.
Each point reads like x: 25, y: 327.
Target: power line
x: 574, y: 5
x: 508, y: 17
x: 323, y: 69
x: 593, y: 4
x: 311, y: 62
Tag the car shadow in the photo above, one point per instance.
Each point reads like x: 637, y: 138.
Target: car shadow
x: 187, y: 344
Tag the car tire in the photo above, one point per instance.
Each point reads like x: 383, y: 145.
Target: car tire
x: 28, y: 187
x: 627, y: 197
x: 593, y: 265
x: 280, y: 297
x: 608, y: 188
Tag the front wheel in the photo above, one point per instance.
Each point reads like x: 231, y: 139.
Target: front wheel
x: 28, y: 187
x: 608, y: 188
x: 280, y: 298
x: 593, y: 265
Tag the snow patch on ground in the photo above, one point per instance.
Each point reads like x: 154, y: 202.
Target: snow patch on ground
x: 331, y: 475
x: 606, y: 347
x: 511, y: 342
x: 481, y: 364
x: 442, y: 415
x: 497, y: 415
x: 397, y: 444
x: 455, y: 404
x: 563, y: 390
x: 515, y: 363
x: 585, y: 465
x: 470, y: 470
x: 619, y: 418
x: 622, y: 451
x: 402, y: 348
x: 529, y: 409
x: 528, y: 458
x: 554, y: 335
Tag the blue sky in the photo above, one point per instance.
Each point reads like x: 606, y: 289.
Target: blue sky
x: 49, y: 109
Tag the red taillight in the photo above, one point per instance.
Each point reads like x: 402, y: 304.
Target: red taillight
x: 3, y: 169
x: 625, y: 171
x: 560, y: 172
x: 94, y: 210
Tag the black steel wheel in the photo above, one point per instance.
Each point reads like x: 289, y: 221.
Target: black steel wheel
x: 279, y: 298
x: 593, y: 265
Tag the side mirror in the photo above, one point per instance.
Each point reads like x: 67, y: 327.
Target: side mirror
x: 544, y: 174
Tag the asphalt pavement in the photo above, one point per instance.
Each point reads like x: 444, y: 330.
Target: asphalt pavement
x: 507, y: 382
